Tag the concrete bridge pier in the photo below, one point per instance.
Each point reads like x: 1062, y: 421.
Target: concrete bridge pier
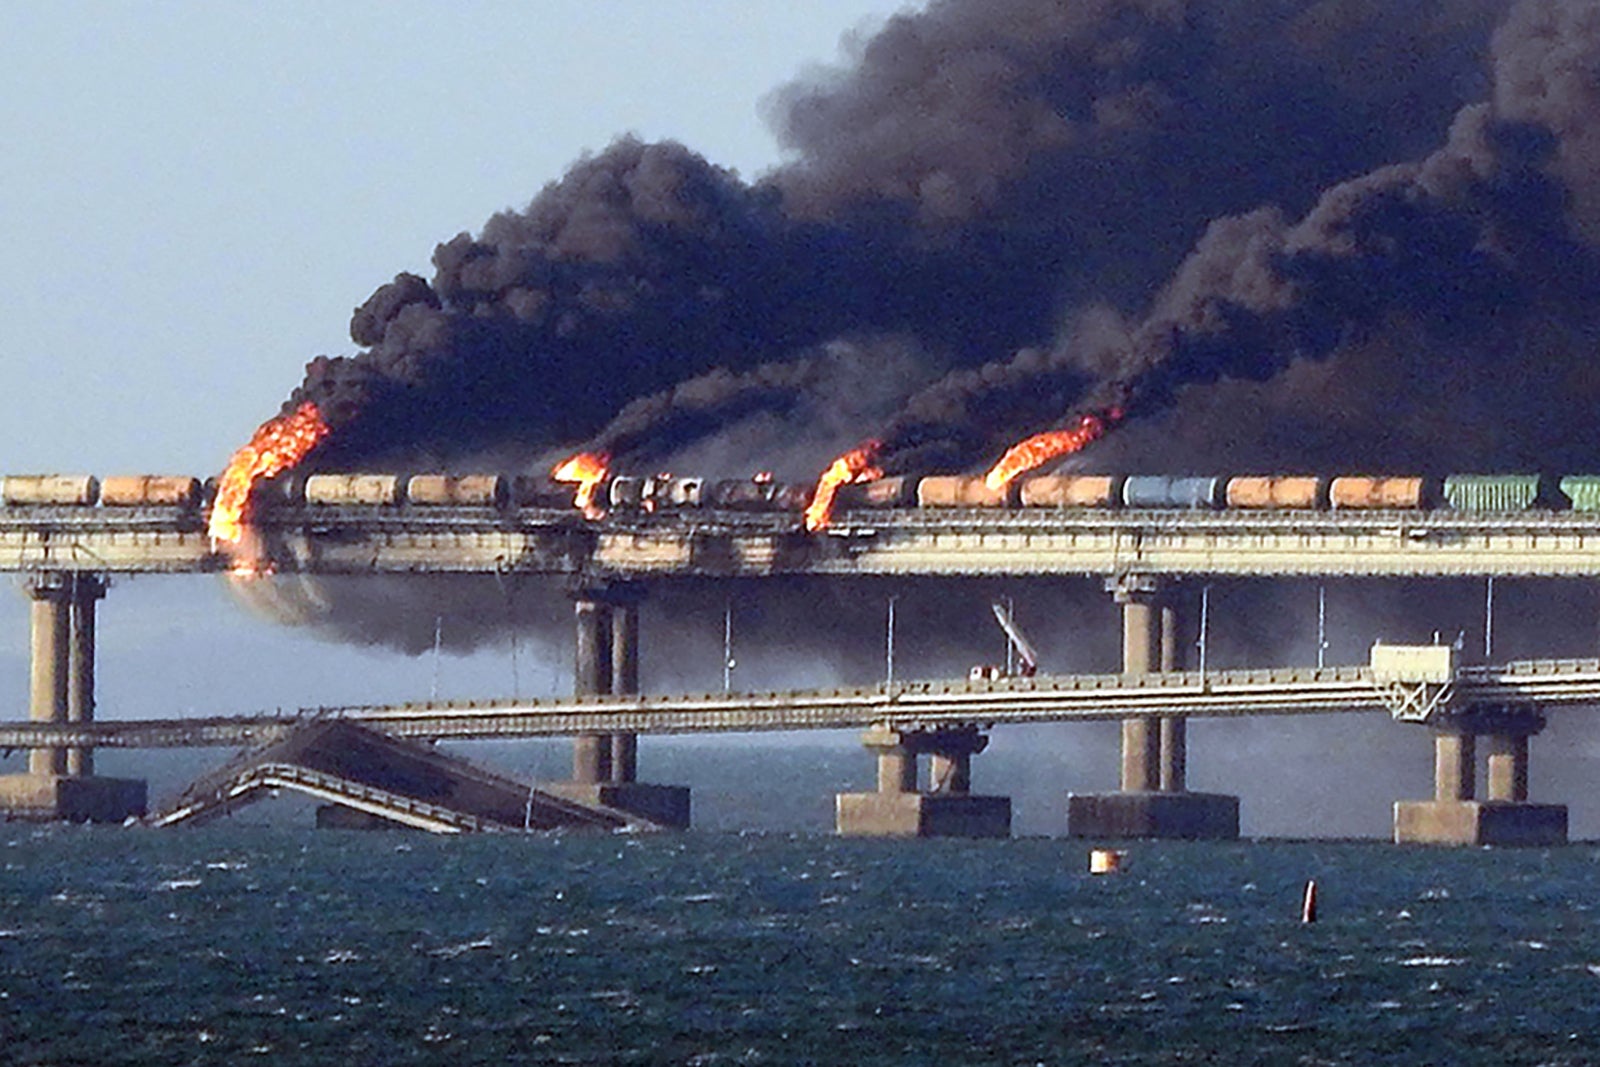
x: 49, y: 619
x: 86, y: 591
x: 625, y: 681
x: 592, y: 674
x: 901, y: 808
x: 60, y: 782
x: 1154, y: 800
x: 605, y: 767
x: 1505, y: 817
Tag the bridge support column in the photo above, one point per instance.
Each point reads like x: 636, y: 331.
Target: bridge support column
x: 625, y: 680
x: 1454, y: 766
x: 87, y: 590
x: 897, y: 764
x: 1154, y: 801
x: 60, y: 783
x: 900, y: 808
x: 1174, y: 741
x: 1506, y: 773
x: 49, y: 620
x: 1506, y: 817
x: 591, y: 753
x: 605, y: 767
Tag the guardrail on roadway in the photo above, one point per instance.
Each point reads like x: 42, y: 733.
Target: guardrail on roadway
x: 355, y: 540
x: 1540, y: 684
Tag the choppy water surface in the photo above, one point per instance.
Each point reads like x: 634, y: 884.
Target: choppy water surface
x: 234, y: 944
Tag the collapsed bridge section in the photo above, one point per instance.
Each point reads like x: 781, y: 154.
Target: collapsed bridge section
x: 365, y: 778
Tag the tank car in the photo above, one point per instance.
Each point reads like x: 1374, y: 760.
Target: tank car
x: 1275, y: 491
x: 627, y: 493
x: 1371, y: 492
x: 280, y: 491
x: 960, y: 491
x: 1071, y: 491
x: 150, y: 491
x: 750, y: 494
x: 895, y: 492
x: 739, y: 494
x: 1163, y: 491
x: 356, y: 490
x: 791, y: 496
x: 458, y: 490
x: 538, y: 491
x: 674, y: 492
x: 78, y: 490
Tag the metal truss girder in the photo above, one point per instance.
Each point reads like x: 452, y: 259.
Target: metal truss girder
x: 1417, y: 702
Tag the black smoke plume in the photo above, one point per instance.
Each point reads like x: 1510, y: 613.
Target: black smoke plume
x: 1291, y: 234
x: 978, y: 172
x: 1484, y: 239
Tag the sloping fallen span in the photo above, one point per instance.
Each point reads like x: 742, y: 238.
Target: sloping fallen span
x: 261, y: 781
x: 404, y: 783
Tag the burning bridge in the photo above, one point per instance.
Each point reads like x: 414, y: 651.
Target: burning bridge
x: 1143, y: 557
x: 366, y: 540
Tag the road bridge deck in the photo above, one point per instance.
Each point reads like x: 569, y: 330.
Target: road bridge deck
x: 1541, y: 684
x: 353, y: 540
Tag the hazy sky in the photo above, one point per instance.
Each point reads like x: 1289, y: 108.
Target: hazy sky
x: 195, y: 195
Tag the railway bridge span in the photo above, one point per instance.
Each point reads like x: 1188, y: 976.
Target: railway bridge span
x: 1151, y: 562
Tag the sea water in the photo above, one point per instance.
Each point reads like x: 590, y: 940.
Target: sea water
x: 238, y: 944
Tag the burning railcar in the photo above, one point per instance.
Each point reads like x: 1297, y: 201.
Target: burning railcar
x: 667, y: 494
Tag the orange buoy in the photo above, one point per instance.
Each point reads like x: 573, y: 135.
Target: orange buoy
x: 1105, y: 861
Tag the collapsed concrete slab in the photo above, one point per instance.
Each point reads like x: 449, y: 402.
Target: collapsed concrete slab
x: 380, y: 780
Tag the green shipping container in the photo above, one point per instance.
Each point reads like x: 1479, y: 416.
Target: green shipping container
x: 1492, y: 492
x: 1583, y: 490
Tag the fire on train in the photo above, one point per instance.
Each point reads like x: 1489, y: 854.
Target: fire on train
x: 669, y: 494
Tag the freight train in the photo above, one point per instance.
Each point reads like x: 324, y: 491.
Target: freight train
x: 668, y: 494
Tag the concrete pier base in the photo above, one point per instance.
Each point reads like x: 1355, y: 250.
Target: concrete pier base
x: 71, y: 798
x: 900, y: 809
x: 605, y: 767
x: 667, y: 806
x: 1154, y: 802
x: 1152, y: 814
x: 922, y: 815
x: 1479, y: 822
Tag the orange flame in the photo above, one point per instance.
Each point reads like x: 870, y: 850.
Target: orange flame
x: 588, y: 469
x: 1042, y: 448
x: 857, y: 465
x: 277, y: 445
x: 247, y: 568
